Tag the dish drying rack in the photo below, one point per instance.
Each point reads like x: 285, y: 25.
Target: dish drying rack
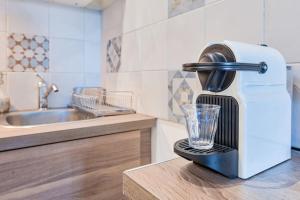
x: 101, y: 102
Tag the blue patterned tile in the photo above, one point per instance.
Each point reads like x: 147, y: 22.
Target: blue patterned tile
x: 28, y: 53
x: 190, y: 75
x: 184, y: 94
x: 182, y: 89
x: 113, y: 54
x: 178, y: 74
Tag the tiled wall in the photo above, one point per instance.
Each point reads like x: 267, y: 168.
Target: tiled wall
x: 177, y: 7
x: 61, y: 43
x: 158, y: 36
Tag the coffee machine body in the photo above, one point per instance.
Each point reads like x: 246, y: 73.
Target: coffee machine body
x: 249, y: 82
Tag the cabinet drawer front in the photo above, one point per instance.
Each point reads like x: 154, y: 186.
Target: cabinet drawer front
x: 81, y: 169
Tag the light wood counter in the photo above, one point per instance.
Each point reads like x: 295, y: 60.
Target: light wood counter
x: 19, y: 137
x: 181, y: 179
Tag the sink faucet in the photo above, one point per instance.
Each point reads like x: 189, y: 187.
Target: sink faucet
x: 44, y: 91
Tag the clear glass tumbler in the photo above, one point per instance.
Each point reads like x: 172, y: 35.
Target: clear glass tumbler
x: 201, y: 123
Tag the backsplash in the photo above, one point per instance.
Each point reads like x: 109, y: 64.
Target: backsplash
x: 61, y: 43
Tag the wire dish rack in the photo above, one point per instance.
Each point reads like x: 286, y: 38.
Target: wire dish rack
x: 100, y: 102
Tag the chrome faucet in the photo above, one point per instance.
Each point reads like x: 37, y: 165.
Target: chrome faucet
x: 44, y: 91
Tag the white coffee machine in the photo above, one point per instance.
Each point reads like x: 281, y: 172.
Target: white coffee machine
x: 254, y: 127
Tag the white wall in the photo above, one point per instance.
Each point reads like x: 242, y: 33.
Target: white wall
x: 75, y: 49
x: 154, y: 44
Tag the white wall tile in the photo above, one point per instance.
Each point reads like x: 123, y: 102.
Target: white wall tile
x: 185, y: 44
x: 140, y: 13
x: 282, y: 29
x: 153, y: 47
x: 92, y: 25
x: 125, y: 81
x: 92, y: 79
x: 92, y: 57
x: 108, y: 35
x: 111, y: 81
x: 154, y: 94
x: 2, y: 15
x: 130, y: 19
x: 23, y: 90
x: 113, y: 16
x: 149, y: 12
x: 65, y: 82
x: 163, y: 138
x: 66, y: 22
x: 27, y: 17
x: 66, y: 55
x: 237, y: 20
x: 131, y: 55
x: 3, y: 48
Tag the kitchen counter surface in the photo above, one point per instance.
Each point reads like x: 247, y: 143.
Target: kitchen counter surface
x: 12, y: 137
x: 182, y: 180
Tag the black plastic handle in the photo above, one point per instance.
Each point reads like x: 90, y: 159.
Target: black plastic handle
x: 226, y: 66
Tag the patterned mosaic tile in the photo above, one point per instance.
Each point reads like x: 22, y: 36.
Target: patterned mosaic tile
x: 28, y: 53
x: 183, y: 88
x: 113, y: 54
x: 177, y: 7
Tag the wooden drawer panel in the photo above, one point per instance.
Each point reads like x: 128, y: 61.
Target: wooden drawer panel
x: 81, y: 169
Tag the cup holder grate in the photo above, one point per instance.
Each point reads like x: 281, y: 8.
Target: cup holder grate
x: 184, y: 146
x: 221, y: 159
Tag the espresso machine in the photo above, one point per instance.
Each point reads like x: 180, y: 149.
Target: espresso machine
x: 254, y: 125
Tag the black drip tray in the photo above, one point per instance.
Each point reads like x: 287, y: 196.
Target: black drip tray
x: 183, y: 145
x: 221, y: 159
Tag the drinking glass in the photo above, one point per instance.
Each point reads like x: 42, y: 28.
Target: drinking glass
x: 201, y: 124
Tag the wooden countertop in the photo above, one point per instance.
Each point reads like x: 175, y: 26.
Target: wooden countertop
x: 19, y: 137
x: 181, y: 179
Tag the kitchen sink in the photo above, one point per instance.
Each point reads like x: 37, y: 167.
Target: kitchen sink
x: 46, y: 117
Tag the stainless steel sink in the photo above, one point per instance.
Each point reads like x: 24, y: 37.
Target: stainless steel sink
x: 46, y: 117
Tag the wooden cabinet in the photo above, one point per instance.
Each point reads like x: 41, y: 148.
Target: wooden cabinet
x: 81, y: 169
